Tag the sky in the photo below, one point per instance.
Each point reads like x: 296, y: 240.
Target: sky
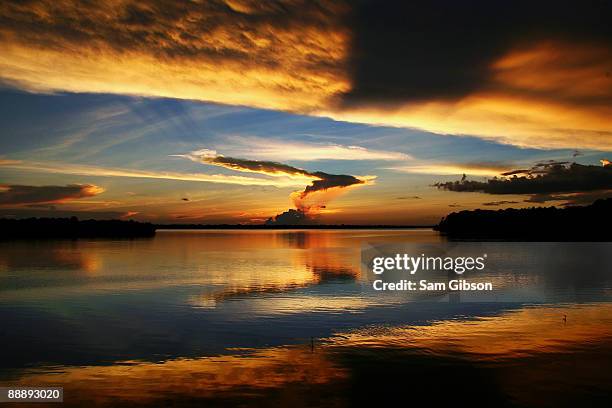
x: 350, y: 112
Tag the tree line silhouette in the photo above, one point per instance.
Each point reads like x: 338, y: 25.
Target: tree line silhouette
x: 73, y: 228
x: 587, y: 223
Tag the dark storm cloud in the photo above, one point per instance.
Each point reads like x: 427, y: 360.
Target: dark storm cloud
x: 545, y: 178
x: 256, y: 166
x: 572, y: 198
x: 327, y: 181
x: 412, y: 50
x: 28, y: 195
x: 532, y: 74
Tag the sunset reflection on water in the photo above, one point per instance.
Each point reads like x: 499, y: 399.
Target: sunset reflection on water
x: 510, y: 340
x: 281, y: 318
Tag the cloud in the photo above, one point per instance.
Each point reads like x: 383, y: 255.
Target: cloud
x: 266, y: 149
x: 282, y: 55
x: 290, y: 217
x: 503, y: 117
x: 541, y: 181
x: 318, y: 180
x: 327, y: 181
x: 522, y: 73
x: 424, y: 50
x: 268, y: 168
x: 497, y: 203
x: 37, y: 195
x: 323, y: 186
x: 581, y: 198
x: 86, y: 170
x: 475, y: 169
x: 535, y: 75
x: 6, y: 162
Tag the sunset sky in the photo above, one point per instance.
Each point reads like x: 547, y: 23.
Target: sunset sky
x: 226, y: 111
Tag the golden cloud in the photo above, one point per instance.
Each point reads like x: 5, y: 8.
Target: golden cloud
x: 209, y: 51
x: 300, y: 56
x: 550, y: 95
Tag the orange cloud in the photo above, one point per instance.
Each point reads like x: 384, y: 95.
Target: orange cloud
x: 258, y: 55
x: 547, y: 92
x: 24, y: 195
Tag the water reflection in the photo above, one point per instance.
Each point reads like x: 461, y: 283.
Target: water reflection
x: 512, y: 335
x: 244, y: 376
x: 535, y: 338
x: 41, y: 257
x: 227, y: 317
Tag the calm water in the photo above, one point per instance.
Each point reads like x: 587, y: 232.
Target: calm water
x: 279, y: 318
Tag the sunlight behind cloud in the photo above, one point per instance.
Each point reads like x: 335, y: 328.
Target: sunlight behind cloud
x: 300, y: 58
x: 453, y: 169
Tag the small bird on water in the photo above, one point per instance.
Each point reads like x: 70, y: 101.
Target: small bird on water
x: 564, y: 319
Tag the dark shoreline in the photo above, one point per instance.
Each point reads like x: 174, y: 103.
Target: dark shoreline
x: 588, y: 223
x: 72, y: 228
x: 591, y: 223
x: 285, y: 227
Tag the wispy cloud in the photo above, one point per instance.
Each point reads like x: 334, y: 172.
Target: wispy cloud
x: 475, y: 169
x: 86, y: 170
x: 6, y: 162
x: 266, y: 149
